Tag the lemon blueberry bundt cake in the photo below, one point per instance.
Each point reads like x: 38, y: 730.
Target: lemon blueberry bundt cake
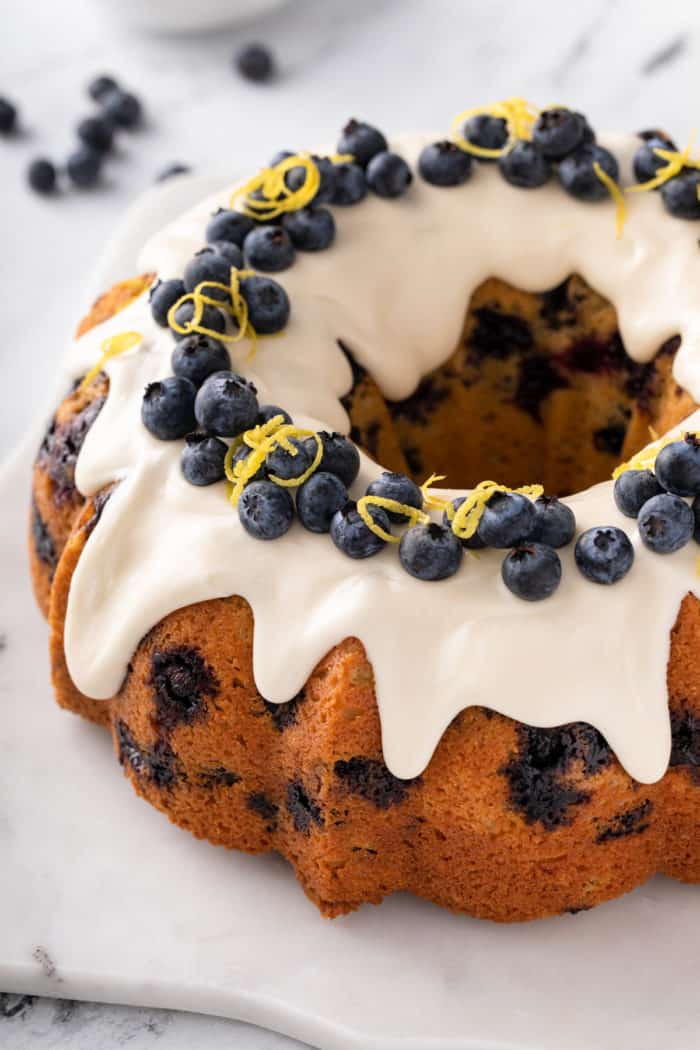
x: 487, y: 695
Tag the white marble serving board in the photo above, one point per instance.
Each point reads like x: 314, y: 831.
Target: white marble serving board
x: 102, y: 899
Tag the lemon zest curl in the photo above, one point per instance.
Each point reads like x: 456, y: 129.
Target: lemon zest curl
x: 467, y: 516
x: 267, y: 195
x: 261, y: 440
x: 518, y: 114
x: 675, y: 162
x: 236, y: 308
x: 646, y: 458
x: 111, y: 347
x: 413, y: 515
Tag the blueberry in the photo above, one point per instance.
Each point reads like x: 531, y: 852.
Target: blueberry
x: 604, y: 554
x: 208, y: 265
x: 230, y: 252
x: 486, y: 131
x: 508, y: 519
x: 172, y: 170
x: 362, y: 141
x: 475, y: 542
x: 101, y: 86
x: 198, y: 356
x: 430, y: 552
x: 444, y: 164
x: 202, y: 461
x: 211, y: 318
x: 241, y: 454
x: 162, y: 296
x: 310, y: 229
x: 531, y: 571
x: 350, y: 184
x: 83, y: 166
x: 588, y: 132
x: 340, y: 457
x: 318, y: 499
x: 577, y: 173
x: 122, y: 107
x: 255, y: 62
x: 524, y: 166
x: 388, y: 175
x: 632, y: 489
x: 666, y: 523
x: 97, y: 133
x: 167, y: 409
x: 226, y: 225
x: 266, y: 511
x: 296, y: 177
x: 558, y: 132
x: 397, y: 487
x: 555, y: 523
x: 695, y: 506
x: 268, y: 304
x: 269, y: 248
x: 8, y: 116
x: 280, y: 155
x: 41, y: 176
x: 282, y: 464
x: 646, y: 161
x: 680, y: 195
x: 226, y: 404
x: 678, y: 466
x: 351, y: 535
x: 268, y: 412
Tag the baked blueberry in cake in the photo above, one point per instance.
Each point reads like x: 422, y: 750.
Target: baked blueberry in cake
x: 257, y: 580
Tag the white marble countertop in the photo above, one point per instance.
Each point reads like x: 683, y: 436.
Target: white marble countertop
x: 397, y: 63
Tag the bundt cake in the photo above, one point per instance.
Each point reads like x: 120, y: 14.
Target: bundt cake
x: 488, y: 696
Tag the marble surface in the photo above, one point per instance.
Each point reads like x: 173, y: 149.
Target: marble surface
x: 400, y: 63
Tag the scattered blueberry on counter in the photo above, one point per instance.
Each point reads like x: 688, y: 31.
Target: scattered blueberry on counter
x: 83, y: 166
x: 255, y: 62
x: 8, y: 116
x: 100, y: 86
x: 41, y: 175
x: 97, y: 133
x: 172, y: 170
x: 123, y: 108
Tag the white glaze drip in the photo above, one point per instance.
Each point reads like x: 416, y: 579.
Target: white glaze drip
x: 394, y: 288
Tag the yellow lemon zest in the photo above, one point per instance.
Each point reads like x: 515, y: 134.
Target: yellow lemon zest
x: 646, y: 458
x: 675, y: 162
x: 236, y: 308
x: 518, y: 113
x: 342, y: 158
x: 276, y: 198
x: 697, y: 565
x: 110, y: 347
x: 617, y: 196
x: 436, y: 502
x: 412, y: 514
x: 262, y: 440
x: 467, y: 517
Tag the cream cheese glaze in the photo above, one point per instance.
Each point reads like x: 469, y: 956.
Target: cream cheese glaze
x: 394, y: 288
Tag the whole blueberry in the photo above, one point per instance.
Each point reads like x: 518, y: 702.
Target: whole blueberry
x: 531, y: 571
x: 351, y: 535
x: 167, y: 409
x: 255, y: 62
x: 202, y: 460
x: 41, y: 176
x: 362, y: 141
x: 678, y: 466
x: 227, y: 225
x: 555, y: 523
x: 230, y: 252
x: 268, y: 304
x: 96, y: 132
x: 283, y: 464
x: 295, y: 178
x: 577, y: 172
x: 8, y: 116
x: 444, y: 164
x: 604, y: 554
x: 122, y: 108
x: 268, y: 412
x: 388, y: 175
x: 162, y: 296
x: 226, y: 404
x: 680, y: 195
x: 211, y: 318
x: 486, y: 131
x: 242, y: 453
x: 318, y: 499
x: 558, y: 132
x: 430, y: 551
x: 632, y: 489
x: 666, y: 523
x: 524, y: 166
x: 340, y: 457
x: 646, y: 161
x: 266, y: 511
x: 396, y: 487
x: 269, y: 248
x: 176, y: 168
x: 350, y: 184
x: 198, y: 356
x: 83, y: 166
x: 100, y: 86
x: 508, y: 519
x: 310, y: 229
x: 475, y: 542
x: 208, y: 265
